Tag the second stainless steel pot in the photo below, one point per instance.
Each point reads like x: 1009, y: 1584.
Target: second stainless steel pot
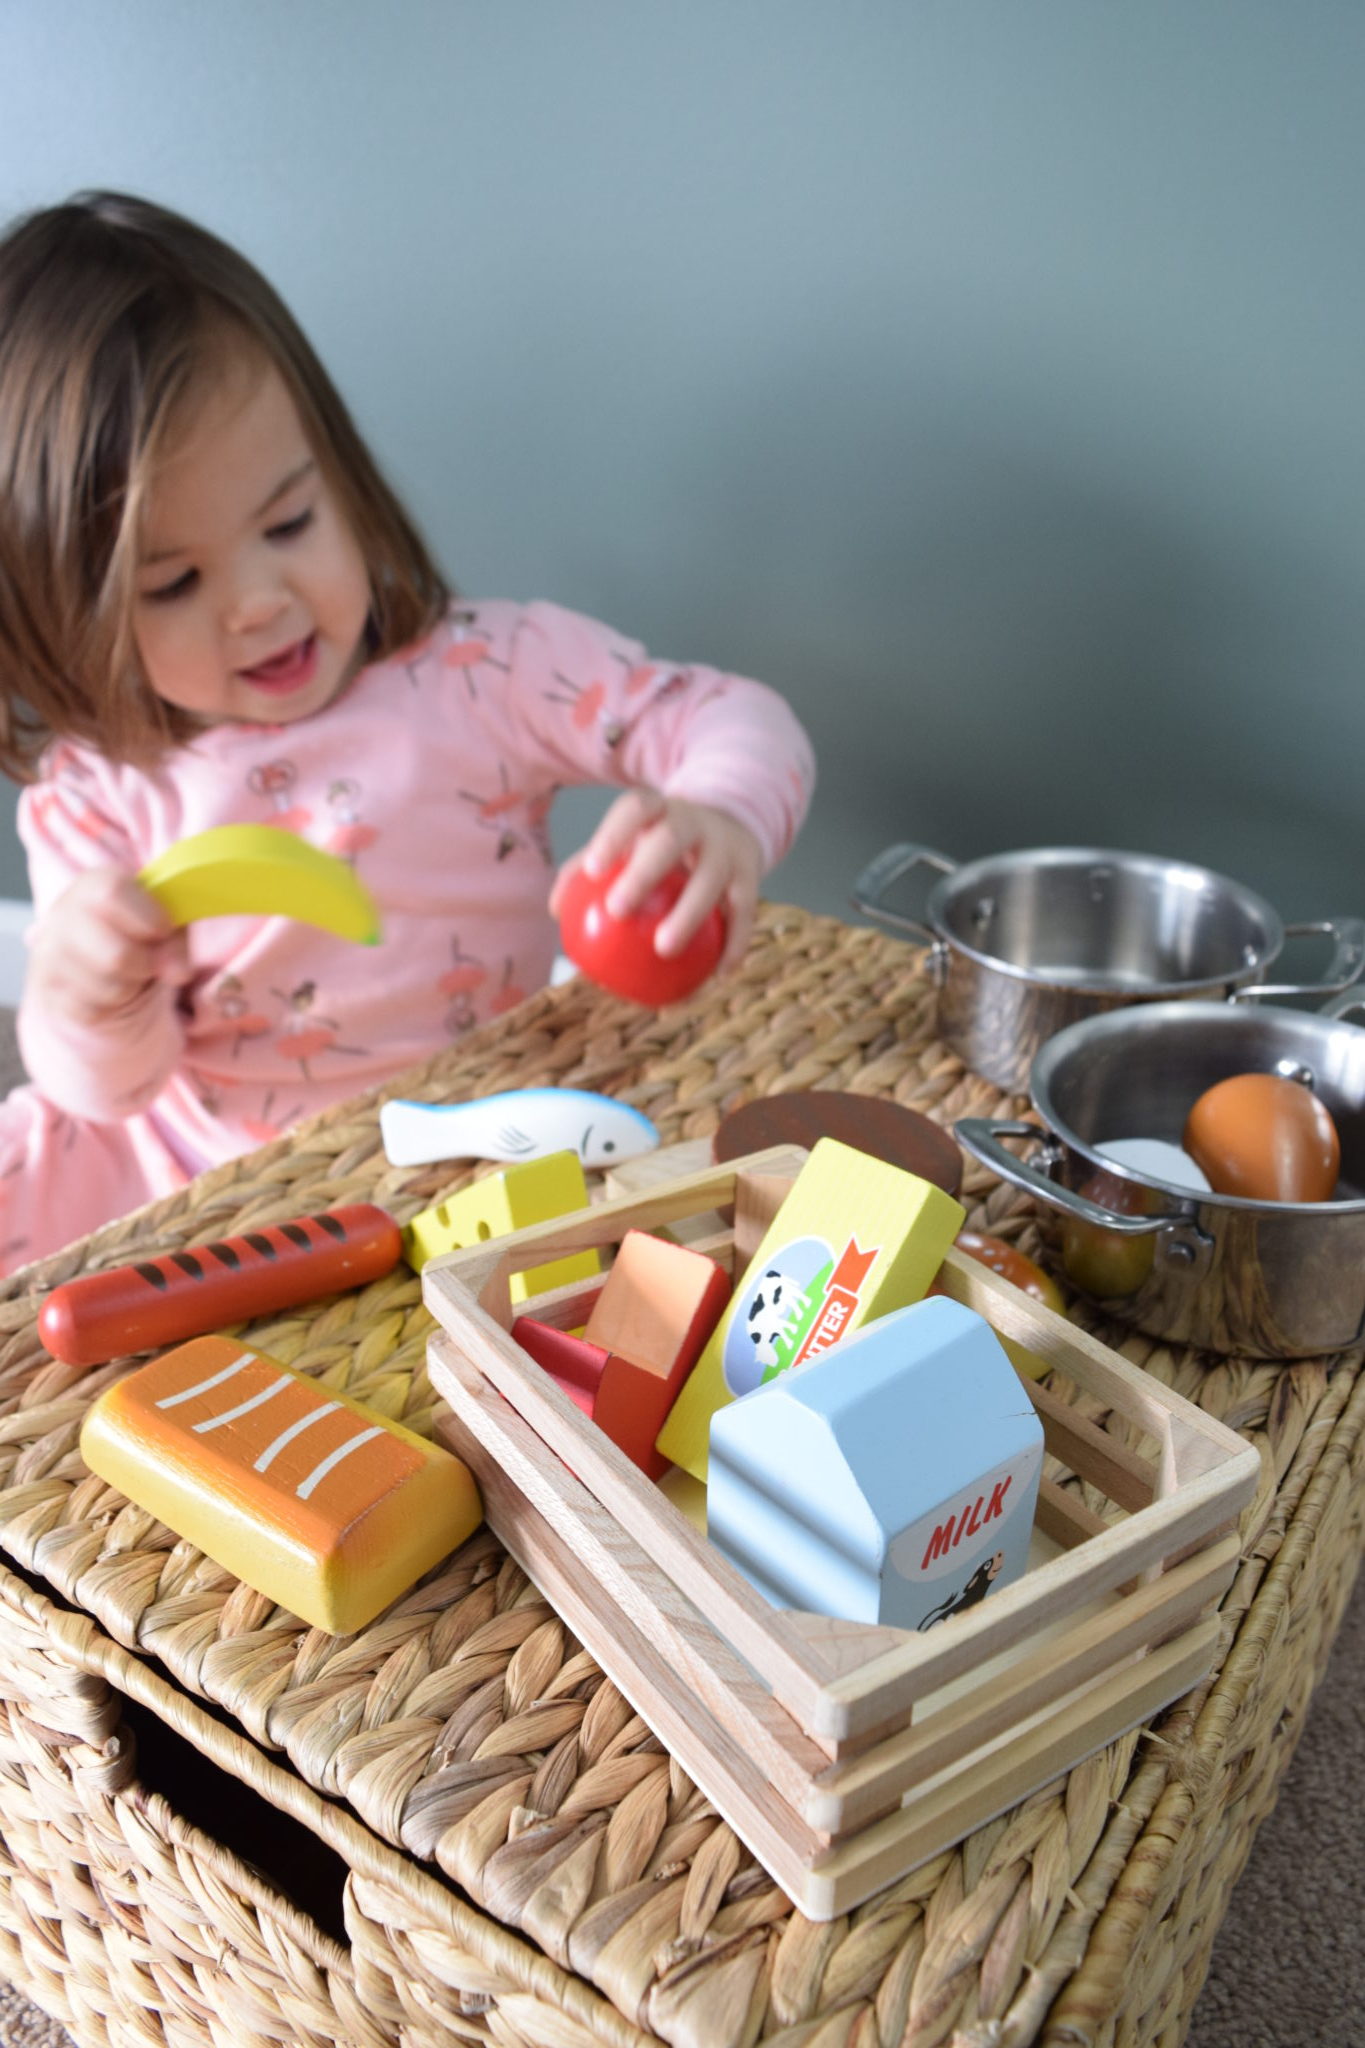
x: 1023, y: 944
x: 1262, y: 1279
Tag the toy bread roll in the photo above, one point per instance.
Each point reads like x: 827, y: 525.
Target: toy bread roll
x: 319, y: 1503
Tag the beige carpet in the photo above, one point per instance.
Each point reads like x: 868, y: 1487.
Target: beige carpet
x: 1288, y: 1967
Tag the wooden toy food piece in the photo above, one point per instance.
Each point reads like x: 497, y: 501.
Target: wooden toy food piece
x: 618, y: 952
x: 885, y: 1130
x: 261, y: 870
x: 319, y: 1503
x: 854, y: 1239
x: 644, y: 1333
x: 1265, y: 1137
x: 1157, y: 1159
x: 893, y: 1481
x: 533, y: 1192
x: 516, y: 1125
x: 1012, y: 1265
x: 1109, y: 1263
x: 187, y: 1293
x: 575, y: 1365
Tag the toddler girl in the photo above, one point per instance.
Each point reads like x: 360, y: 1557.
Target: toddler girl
x: 214, y: 610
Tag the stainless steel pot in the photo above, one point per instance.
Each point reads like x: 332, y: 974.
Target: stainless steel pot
x: 1263, y: 1279
x: 1023, y: 944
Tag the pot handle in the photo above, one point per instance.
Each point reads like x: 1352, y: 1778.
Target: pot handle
x: 1348, y: 936
x: 1343, y: 1002
x: 981, y: 1137
x: 888, y: 867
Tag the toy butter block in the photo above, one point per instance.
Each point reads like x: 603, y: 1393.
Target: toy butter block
x: 533, y: 1191
x: 312, y: 1499
x: 574, y: 1364
x: 855, y: 1239
x: 644, y: 1333
x: 893, y: 1481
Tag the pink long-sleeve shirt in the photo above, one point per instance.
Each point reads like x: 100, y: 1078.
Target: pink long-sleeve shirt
x: 433, y: 774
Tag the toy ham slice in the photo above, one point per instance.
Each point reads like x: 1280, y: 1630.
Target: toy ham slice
x: 319, y: 1503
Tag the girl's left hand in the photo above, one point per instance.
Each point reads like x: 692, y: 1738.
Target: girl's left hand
x: 652, y: 834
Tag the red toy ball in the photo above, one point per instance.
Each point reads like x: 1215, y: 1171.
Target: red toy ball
x: 618, y: 952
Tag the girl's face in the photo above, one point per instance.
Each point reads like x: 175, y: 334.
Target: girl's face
x: 252, y: 593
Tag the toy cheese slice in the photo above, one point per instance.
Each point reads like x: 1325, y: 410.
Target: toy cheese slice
x: 854, y: 1239
x: 319, y: 1503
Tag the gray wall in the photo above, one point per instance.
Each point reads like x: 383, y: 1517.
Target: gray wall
x: 987, y: 377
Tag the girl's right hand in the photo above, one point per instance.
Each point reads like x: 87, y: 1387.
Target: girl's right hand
x: 103, y: 945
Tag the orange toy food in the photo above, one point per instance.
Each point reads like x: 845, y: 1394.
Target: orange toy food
x: 1011, y: 1265
x: 306, y: 1495
x: 188, y: 1293
x: 1265, y: 1137
x: 644, y: 1334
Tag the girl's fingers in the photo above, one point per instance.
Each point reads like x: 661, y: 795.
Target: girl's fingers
x: 657, y: 851
x: 743, y: 906
x: 705, y: 886
x: 618, y: 831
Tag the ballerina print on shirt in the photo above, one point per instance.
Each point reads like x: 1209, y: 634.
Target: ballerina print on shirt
x: 304, y: 1036
x: 350, y: 835
x: 458, y: 986
x: 465, y: 652
x: 521, y: 822
x: 587, y: 702
x: 275, y: 780
x: 229, y: 998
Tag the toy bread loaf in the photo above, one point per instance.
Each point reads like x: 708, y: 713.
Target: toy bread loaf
x: 314, y: 1500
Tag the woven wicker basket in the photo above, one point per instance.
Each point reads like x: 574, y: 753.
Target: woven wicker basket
x: 220, y: 1825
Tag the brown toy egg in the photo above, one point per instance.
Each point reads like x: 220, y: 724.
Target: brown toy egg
x: 1265, y: 1137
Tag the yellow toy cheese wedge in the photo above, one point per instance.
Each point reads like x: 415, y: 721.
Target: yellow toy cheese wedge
x: 314, y: 1500
x: 260, y: 871
x: 533, y: 1191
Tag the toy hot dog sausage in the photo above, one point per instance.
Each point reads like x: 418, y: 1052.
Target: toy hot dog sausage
x: 190, y: 1292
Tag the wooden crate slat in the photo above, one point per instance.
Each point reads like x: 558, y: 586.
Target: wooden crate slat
x: 822, y: 1877
x: 854, y: 1789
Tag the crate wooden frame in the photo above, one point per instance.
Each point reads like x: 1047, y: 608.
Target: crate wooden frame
x: 818, y: 1741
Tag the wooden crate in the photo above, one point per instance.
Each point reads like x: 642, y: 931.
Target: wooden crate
x: 842, y: 1753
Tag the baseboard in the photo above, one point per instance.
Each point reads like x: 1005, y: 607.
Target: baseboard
x: 15, y: 919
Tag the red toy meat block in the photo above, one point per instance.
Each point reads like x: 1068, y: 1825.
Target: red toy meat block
x: 659, y: 1304
x: 574, y: 1364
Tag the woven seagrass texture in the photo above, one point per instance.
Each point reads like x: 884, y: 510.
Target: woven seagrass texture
x: 466, y: 1737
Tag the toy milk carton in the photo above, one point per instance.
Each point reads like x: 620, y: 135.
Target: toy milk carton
x: 854, y: 1239
x: 892, y: 1481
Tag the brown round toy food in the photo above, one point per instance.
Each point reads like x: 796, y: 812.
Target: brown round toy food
x: 887, y: 1130
x: 1264, y: 1137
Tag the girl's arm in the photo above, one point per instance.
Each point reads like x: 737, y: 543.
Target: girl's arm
x: 720, y: 768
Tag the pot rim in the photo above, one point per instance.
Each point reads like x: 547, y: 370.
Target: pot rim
x: 1113, y: 1024
x: 967, y: 877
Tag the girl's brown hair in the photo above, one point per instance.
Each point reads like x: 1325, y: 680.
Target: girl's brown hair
x: 111, y: 309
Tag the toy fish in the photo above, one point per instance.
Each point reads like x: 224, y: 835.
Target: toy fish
x: 523, y: 1123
